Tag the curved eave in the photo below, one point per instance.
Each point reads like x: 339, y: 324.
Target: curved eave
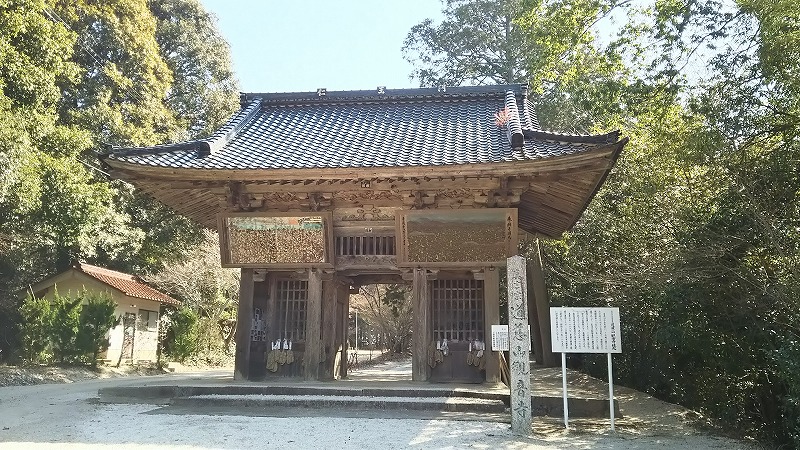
x: 131, y: 171
x: 536, y: 216
x: 560, y: 189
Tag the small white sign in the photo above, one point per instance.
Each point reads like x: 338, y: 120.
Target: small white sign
x: 585, y: 330
x: 499, y: 338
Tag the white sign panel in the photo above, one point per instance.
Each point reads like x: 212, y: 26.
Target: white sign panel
x: 499, y: 338
x: 585, y: 330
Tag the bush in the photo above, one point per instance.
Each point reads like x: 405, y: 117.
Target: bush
x: 64, y: 330
x: 35, y: 329
x: 185, y: 333
x: 96, y: 318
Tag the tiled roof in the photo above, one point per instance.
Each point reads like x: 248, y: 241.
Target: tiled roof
x: 128, y: 284
x: 363, y: 129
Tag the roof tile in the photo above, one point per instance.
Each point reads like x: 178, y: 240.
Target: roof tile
x: 359, y: 129
x: 128, y: 284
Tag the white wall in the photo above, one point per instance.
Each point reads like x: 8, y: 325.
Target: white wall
x: 144, y: 343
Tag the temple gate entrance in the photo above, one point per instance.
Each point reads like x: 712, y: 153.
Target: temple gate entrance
x: 317, y: 193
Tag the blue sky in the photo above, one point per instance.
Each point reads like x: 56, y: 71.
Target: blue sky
x: 302, y: 45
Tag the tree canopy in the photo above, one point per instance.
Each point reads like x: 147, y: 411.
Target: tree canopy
x: 695, y: 233
x: 75, y: 78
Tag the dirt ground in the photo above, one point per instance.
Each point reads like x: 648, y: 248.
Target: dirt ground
x: 31, y: 375
x: 59, y: 416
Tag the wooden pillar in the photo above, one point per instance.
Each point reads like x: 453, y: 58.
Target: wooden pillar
x: 420, y: 371
x: 329, y: 293
x: 271, y: 313
x: 312, y: 358
x: 312, y: 355
x: 542, y: 305
x: 345, y: 324
x: 244, y: 319
x: 533, y: 319
x: 491, y: 308
x: 259, y: 347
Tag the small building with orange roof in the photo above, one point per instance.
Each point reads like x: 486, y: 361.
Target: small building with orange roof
x: 135, y: 337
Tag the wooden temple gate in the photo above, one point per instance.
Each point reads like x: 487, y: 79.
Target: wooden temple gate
x: 314, y: 194
x: 304, y: 305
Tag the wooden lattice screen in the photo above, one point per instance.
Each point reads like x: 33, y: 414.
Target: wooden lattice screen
x: 364, y: 245
x: 292, y: 296
x: 457, y: 310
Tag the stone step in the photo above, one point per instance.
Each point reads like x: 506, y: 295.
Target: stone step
x: 343, y: 396
x: 166, y: 392
x: 449, y: 404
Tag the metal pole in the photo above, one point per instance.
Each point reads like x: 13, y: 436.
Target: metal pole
x: 610, y: 392
x: 564, y: 388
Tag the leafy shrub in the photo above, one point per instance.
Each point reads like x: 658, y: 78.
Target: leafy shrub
x: 185, y: 331
x: 64, y: 330
x: 35, y: 329
x: 96, y: 319
x: 65, y: 323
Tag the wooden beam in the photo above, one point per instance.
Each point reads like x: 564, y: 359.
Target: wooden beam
x: 244, y: 318
x: 491, y: 316
x: 420, y: 371
x: 533, y: 319
x: 312, y: 357
x: 542, y: 305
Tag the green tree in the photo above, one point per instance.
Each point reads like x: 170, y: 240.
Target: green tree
x: 208, y: 289
x: 119, y: 96
x: 66, y: 320
x: 183, y: 324
x: 37, y: 319
x: 78, y: 75
x: 551, y: 46
x: 478, y: 42
x: 694, y: 235
x: 96, y: 319
x: 204, y: 92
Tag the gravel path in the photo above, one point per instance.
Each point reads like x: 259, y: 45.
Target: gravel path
x: 63, y: 416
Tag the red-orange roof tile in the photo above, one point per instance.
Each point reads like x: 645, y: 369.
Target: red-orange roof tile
x: 130, y: 285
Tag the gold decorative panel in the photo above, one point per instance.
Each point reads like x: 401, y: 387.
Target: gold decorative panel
x: 289, y: 241
x: 447, y: 238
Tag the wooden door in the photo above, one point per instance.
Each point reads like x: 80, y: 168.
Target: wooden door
x: 128, y: 335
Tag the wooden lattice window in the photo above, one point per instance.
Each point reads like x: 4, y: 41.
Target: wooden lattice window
x: 364, y: 245
x: 457, y: 310
x: 292, y: 296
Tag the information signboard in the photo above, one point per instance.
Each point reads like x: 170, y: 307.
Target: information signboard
x: 585, y: 330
